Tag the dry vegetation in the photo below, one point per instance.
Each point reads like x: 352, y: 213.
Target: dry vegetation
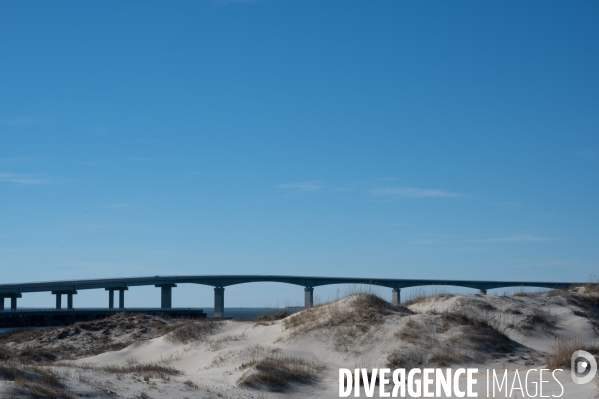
x: 197, y: 331
x: 28, y: 356
x: 267, y: 319
x: 132, y: 367
x: 33, y: 381
x: 444, y: 339
x: 346, y: 321
x: 539, y: 319
x: 588, y: 306
x: 277, y: 372
x: 82, y: 339
x: 420, y: 294
x: 561, y: 353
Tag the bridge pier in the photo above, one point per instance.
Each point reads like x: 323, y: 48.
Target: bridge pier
x: 121, y: 291
x: 308, y: 297
x: 110, y: 298
x: 13, y: 301
x: 483, y: 291
x: 219, y: 301
x: 166, y: 295
x: 395, y: 296
x: 69, y: 295
x: 122, y: 297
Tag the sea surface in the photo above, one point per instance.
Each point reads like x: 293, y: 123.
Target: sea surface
x: 249, y: 312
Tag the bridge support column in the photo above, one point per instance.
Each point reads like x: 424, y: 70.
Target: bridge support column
x: 1, y: 303
x: 111, y: 291
x: 395, y: 296
x: 219, y: 301
x: 69, y: 295
x: 308, y: 297
x: 122, y: 298
x: 110, y: 298
x: 484, y: 292
x: 13, y: 301
x: 166, y: 295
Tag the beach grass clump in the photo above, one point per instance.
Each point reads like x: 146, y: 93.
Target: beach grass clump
x: 444, y: 339
x: 197, y: 331
x: 561, y: 352
x: 129, y: 367
x: 539, y: 319
x: 268, y: 319
x: 277, y: 372
x: 422, y: 294
x: 34, y: 381
x: 405, y: 358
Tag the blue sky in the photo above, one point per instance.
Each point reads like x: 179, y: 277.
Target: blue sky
x: 389, y: 139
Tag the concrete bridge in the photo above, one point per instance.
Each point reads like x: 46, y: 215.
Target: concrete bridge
x: 219, y: 282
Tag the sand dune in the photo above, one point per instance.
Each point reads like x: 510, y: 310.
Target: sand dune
x: 299, y: 356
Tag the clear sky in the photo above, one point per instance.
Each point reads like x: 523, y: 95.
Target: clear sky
x: 350, y: 138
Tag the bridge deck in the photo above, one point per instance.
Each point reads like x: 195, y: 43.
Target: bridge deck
x: 219, y: 282
x: 228, y: 280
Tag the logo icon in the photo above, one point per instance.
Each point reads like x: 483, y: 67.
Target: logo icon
x: 583, y: 363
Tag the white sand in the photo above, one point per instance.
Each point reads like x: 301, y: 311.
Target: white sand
x: 214, y: 364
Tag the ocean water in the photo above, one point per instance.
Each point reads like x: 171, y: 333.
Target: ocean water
x: 249, y: 312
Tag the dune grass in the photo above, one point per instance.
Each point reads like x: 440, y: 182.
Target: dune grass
x: 345, y: 322
x: 276, y: 372
x: 34, y: 381
x: 445, y: 339
x: 561, y: 352
x: 197, y: 331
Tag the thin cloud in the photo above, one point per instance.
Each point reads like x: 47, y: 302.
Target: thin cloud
x: 517, y: 238
x: 306, y: 186
x: 23, y: 179
x: 396, y: 193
